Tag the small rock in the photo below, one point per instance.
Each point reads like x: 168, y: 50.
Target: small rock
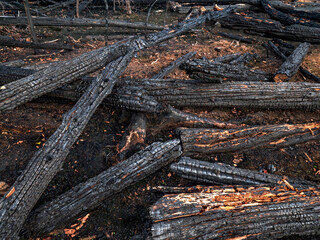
x: 271, y: 168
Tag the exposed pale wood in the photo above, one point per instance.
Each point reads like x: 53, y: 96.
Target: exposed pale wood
x: 88, y: 195
x: 223, y: 174
x: 237, y: 213
x: 291, y: 65
x: 197, y: 141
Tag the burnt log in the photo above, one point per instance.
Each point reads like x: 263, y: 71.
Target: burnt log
x: 273, y: 28
x: 282, y: 55
x: 259, y: 95
x: 133, y: 138
x: 218, y: 72
x: 29, y: 186
x: 77, y: 22
x: 291, y: 65
x: 88, y: 195
x: 227, y: 58
x: 237, y: 213
x: 223, y: 174
x: 10, y: 42
x: 197, y: 141
x: 285, y: 18
x: 46, y: 80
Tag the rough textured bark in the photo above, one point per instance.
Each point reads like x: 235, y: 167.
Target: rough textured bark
x: 88, y: 195
x: 285, y: 18
x: 207, y: 141
x: 263, y: 95
x: 46, y: 80
x: 9, y: 42
x: 77, y: 22
x: 223, y: 174
x: 282, y: 55
x: 173, y: 65
x: 218, y: 72
x: 237, y: 213
x: 29, y: 186
x: 291, y: 65
x: 133, y: 138
x: 273, y: 28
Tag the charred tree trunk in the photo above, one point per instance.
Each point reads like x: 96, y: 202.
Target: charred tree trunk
x: 29, y: 186
x: 44, y: 81
x: 9, y: 42
x: 88, y: 195
x: 207, y: 141
x: 191, y: 93
x: 77, y: 22
x: 218, y: 72
x: 237, y: 213
x: 223, y: 174
x: 285, y: 18
x: 273, y: 28
x: 291, y: 65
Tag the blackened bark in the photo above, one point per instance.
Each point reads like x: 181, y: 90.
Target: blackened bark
x: 46, y: 80
x: 29, y: 186
x: 268, y: 27
x: 291, y: 65
x: 285, y: 18
x: 90, y: 194
x: 196, y: 141
x: 237, y: 213
x: 223, y: 174
x: 207, y: 71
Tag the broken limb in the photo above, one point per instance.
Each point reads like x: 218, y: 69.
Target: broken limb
x: 90, y: 194
x: 197, y: 141
x: 51, y: 78
x: 237, y: 213
x: 223, y: 174
x: 291, y: 65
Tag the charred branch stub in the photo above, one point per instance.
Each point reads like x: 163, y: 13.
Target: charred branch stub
x: 44, y: 81
x: 220, y: 173
x: 90, y: 194
x: 133, y: 139
x: 217, y: 72
x: 207, y: 141
x: 237, y: 213
x: 291, y: 65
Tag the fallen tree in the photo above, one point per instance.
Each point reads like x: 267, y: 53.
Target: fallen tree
x: 76, y: 22
x: 90, y: 194
x: 268, y: 27
x: 29, y: 186
x: 223, y: 174
x: 208, y: 141
x: 237, y: 213
x: 46, y: 80
x: 205, y: 70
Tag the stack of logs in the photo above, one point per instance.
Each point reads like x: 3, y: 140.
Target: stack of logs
x: 256, y: 206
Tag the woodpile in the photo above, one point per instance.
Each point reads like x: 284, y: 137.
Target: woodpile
x: 241, y: 203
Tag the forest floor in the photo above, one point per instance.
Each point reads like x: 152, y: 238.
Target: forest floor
x: 24, y: 129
